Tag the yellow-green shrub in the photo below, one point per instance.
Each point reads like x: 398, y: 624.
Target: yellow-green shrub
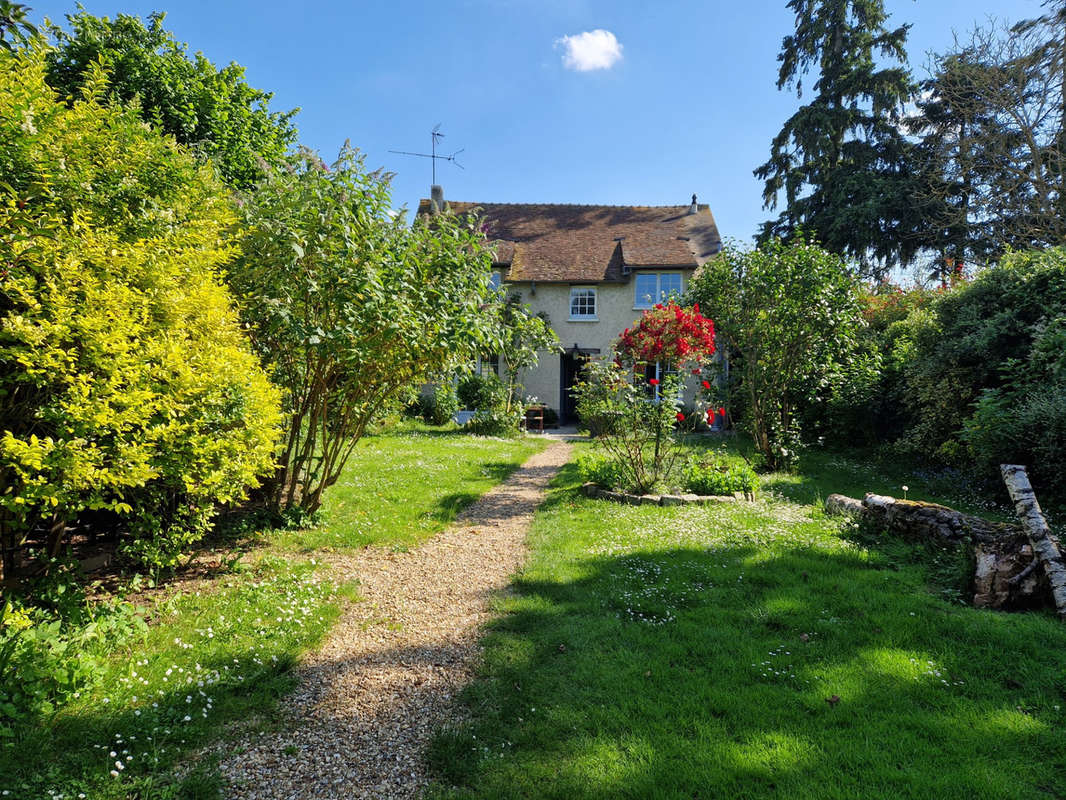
x: 125, y: 381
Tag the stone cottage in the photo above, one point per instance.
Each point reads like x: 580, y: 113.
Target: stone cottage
x: 591, y: 269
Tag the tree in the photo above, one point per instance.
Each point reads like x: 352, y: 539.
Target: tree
x: 522, y: 337
x: 126, y: 385
x: 786, y: 316
x: 348, y: 306
x: 212, y: 110
x: 632, y: 417
x: 841, y: 160
x: 991, y: 140
x: 14, y: 29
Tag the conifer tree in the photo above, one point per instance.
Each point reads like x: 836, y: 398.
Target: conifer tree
x: 840, y: 160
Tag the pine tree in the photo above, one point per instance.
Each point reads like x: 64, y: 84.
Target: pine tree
x: 841, y: 160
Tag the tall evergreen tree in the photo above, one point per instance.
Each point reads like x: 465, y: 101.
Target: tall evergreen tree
x: 991, y: 142
x: 841, y: 159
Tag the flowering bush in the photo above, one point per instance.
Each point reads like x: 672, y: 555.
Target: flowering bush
x: 668, y: 333
x: 636, y: 418
x: 635, y: 428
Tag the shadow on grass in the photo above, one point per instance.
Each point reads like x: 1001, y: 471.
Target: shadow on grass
x: 738, y: 673
x: 72, y: 752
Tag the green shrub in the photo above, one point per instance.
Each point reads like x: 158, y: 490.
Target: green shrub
x: 1026, y: 427
x: 125, y: 375
x: 442, y: 405
x: 57, y: 654
x: 479, y: 392
x: 718, y: 476
x: 601, y: 470
x: 497, y: 421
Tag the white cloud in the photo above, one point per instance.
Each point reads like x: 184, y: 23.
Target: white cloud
x: 598, y: 49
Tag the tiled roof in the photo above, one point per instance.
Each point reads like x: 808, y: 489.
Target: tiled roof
x: 574, y: 243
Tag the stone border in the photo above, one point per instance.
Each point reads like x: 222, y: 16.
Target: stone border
x: 594, y: 491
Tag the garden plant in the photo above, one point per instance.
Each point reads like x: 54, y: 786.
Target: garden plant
x: 633, y: 417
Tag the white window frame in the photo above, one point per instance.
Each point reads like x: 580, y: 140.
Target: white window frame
x: 641, y: 303
x: 574, y: 294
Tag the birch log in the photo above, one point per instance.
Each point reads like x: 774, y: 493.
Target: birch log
x: 1045, y: 548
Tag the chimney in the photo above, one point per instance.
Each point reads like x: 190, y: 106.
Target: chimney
x: 692, y: 208
x: 436, y: 198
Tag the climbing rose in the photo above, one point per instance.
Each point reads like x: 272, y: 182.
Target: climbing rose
x: 680, y: 417
x: 721, y: 412
x: 706, y: 384
x: 654, y: 381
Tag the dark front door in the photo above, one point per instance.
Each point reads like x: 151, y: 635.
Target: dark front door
x: 570, y: 366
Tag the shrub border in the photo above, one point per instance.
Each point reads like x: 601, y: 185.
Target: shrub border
x: 599, y: 493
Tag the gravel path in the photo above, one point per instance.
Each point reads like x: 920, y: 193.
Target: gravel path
x: 369, y: 699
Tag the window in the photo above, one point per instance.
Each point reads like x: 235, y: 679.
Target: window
x: 582, y: 303
x: 660, y: 370
x: 654, y: 287
x: 495, y: 280
x: 489, y: 364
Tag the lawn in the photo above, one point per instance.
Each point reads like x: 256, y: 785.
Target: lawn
x: 754, y: 650
x: 220, y: 649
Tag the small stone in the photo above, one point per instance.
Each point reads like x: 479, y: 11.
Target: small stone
x: 690, y: 499
x: 670, y: 500
x: 649, y: 499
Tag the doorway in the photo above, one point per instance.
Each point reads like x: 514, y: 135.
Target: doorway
x: 571, y: 362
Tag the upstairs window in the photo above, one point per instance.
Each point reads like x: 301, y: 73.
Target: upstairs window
x: 582, y: 303
x: 655, y: 287
x: 495, y: 279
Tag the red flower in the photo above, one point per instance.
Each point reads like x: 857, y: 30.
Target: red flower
x: 696, y: 372
x: 654, y: 381
x: 721, y: 412
x: 706, y: 384
x: 680, y: 417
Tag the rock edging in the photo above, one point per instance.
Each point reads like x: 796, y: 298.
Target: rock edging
x: 599, y: 493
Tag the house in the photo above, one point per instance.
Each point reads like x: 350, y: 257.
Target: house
x: 590, y: 269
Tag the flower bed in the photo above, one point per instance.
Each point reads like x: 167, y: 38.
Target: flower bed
x: 592, y: 490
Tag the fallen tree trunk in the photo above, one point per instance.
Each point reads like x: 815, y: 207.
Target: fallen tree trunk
x: 1045, y: 548
x: 914, y: 517
x: 1005, y: 574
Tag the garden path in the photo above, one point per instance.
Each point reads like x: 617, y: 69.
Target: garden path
x: 369, y: 700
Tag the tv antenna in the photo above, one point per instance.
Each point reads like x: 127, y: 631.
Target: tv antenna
x: 435, y: 135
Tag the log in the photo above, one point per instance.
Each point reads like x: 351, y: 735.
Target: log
x: 1045, y: 548
x: 931, y: 519
x: 1004, y: 575
x: 842, y: 504
x: 1007, y: 576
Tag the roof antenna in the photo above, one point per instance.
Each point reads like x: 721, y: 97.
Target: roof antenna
x: 435, y: 136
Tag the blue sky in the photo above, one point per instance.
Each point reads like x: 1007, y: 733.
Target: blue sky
x: 689, y: 106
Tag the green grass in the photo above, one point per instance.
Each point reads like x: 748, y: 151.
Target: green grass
x: 219, y: 651
x: 406, y: 485
x: 692, y: 652
x: 211, y: 656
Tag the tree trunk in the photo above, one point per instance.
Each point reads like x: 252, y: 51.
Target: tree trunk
x: 1045, y: 548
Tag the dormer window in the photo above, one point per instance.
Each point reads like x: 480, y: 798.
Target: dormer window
x: 583, y: 303
x: 655, y: 287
